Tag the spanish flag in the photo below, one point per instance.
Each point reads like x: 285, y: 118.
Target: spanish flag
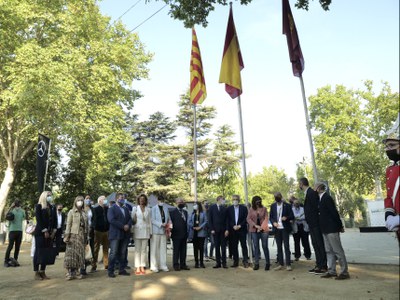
x: 198, y: 90
x: 232, y: 62
x: 289, y: 28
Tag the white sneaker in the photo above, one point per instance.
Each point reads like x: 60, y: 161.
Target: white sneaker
x: 289, y: 268
x: 165, y: 270
x: 154, y: 270
x: 278, y: 268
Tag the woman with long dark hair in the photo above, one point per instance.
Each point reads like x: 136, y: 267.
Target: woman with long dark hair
x: 198, y: 233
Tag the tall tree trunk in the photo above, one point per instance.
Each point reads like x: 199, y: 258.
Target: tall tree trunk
x: 5, y: 187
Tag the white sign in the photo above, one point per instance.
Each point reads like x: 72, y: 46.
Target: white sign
x: 376, y: 213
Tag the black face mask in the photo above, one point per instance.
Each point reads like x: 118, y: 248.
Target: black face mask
x: 278, y: 200
x: 59, y: 209
x: 181, y: 205
x: 393, y: 155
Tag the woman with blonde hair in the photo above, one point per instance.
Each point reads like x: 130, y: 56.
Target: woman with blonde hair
x: 142, y: 229
x: 42, y: 234
x: 75, y: 238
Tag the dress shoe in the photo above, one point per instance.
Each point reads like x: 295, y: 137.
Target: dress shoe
x: 43, y: 275
x: 225, y: 266
x: 177, y: 268
x: 342, y: 277
x: 111, y: 275
x: 217, y: 266
x: 246, y: 265
x: 124, y: 273
x: 186, y: 268
x: 256, y: 267
x: 312, y: 271
x: 296, y: 259
x: 202, y: 266
x: 235, y: 265
x: 267, y: 267
x: 37, y: 276
x: 92, y: 269
x: 6, y: 264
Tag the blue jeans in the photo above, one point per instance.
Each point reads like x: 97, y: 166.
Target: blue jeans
x: 118, y: 249
x: 282, y: 237
x: 256, y: 237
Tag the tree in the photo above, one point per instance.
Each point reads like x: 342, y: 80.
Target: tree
x: 196, y: 12
x: 348, y: 139
x: 223, y: 164
x: 66, y: 72
x: 268, y: 182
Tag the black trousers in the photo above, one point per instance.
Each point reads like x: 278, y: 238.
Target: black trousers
x: 14, y: 237
x: 198, y: 248
x: 179, y: 252
x: 235, y: 237
x: 58, y: 239
x: 319, y: 247
x: 220, y: 248
x: 301, y: 236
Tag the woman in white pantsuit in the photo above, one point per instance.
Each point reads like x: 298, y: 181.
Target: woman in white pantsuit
x: 158, y: 243
x: 141, y: 216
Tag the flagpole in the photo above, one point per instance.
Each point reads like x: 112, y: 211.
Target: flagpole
x: 308, y: 125
x: 195, y: 151
x: 47, y: 166
x: 244, y: 173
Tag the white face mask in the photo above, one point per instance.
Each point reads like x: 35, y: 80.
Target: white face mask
x: 195, y: 207
x: 160, y: 203
x: 235, y: 202
x: 79, y: 203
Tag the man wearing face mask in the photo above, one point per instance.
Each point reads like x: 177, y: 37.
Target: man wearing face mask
x: 311, y: 212
x: 14, y: 234
x: 392, y: 200
x: 179, y: 235
x: 219, y: 229
x: 300, y: 231
x: 281, y: 215
x: 101, y: 227
x: 60, y: 222
x: 237, y: 226
x: 158, y: 242
x: 120, y: 222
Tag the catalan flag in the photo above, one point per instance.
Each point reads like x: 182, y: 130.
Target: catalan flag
x: 232, y: 62
x: 198, y: 90
x: 289, y: 28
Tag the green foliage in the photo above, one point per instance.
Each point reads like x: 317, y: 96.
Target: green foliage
x: 268, y: 182
x: 66, y: 72
x: 348, y: 139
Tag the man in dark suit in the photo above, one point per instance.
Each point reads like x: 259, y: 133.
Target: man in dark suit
x: 331, y: 227
x: 179, y: 235
x: 101, y: 227
x: 120, y: 222
x: 237, y: 226
x: 59, y: 223
x: 311, y: 212
x: 281, y: 215
x: 219, y: 229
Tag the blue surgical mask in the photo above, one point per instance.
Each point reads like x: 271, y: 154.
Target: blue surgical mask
x: 105, y: 202
x: 49, y: 199
x: 121, y: 201
x: 87, y: 202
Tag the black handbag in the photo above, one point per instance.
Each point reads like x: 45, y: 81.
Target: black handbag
x: 10, y: 216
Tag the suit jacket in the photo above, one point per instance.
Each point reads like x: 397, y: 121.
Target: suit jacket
x: 286, y: 212
x: 202, y: 223
x: 217, y: 219
x: 242, y: 218
x: 179, y: 224
x: 311, y: 212
x: 62, y: 221
x: 117, y: 220
x: 329, y: 218
x: 156, y: 219
x: 142, y: 228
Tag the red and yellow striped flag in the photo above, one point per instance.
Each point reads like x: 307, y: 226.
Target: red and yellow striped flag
x: 198, y: 90
x: 232, y: 62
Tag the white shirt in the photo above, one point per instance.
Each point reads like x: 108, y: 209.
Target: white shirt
x: 236, y: 214
x: 59, y: 220
x: 279, y: 208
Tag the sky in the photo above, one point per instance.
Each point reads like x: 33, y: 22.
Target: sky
x: 354, y: 41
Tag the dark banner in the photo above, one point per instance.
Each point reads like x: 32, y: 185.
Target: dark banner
x: 41, y: 162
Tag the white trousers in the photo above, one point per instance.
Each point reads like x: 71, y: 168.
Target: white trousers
x: 158, y: 252
x: 141, y: 252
